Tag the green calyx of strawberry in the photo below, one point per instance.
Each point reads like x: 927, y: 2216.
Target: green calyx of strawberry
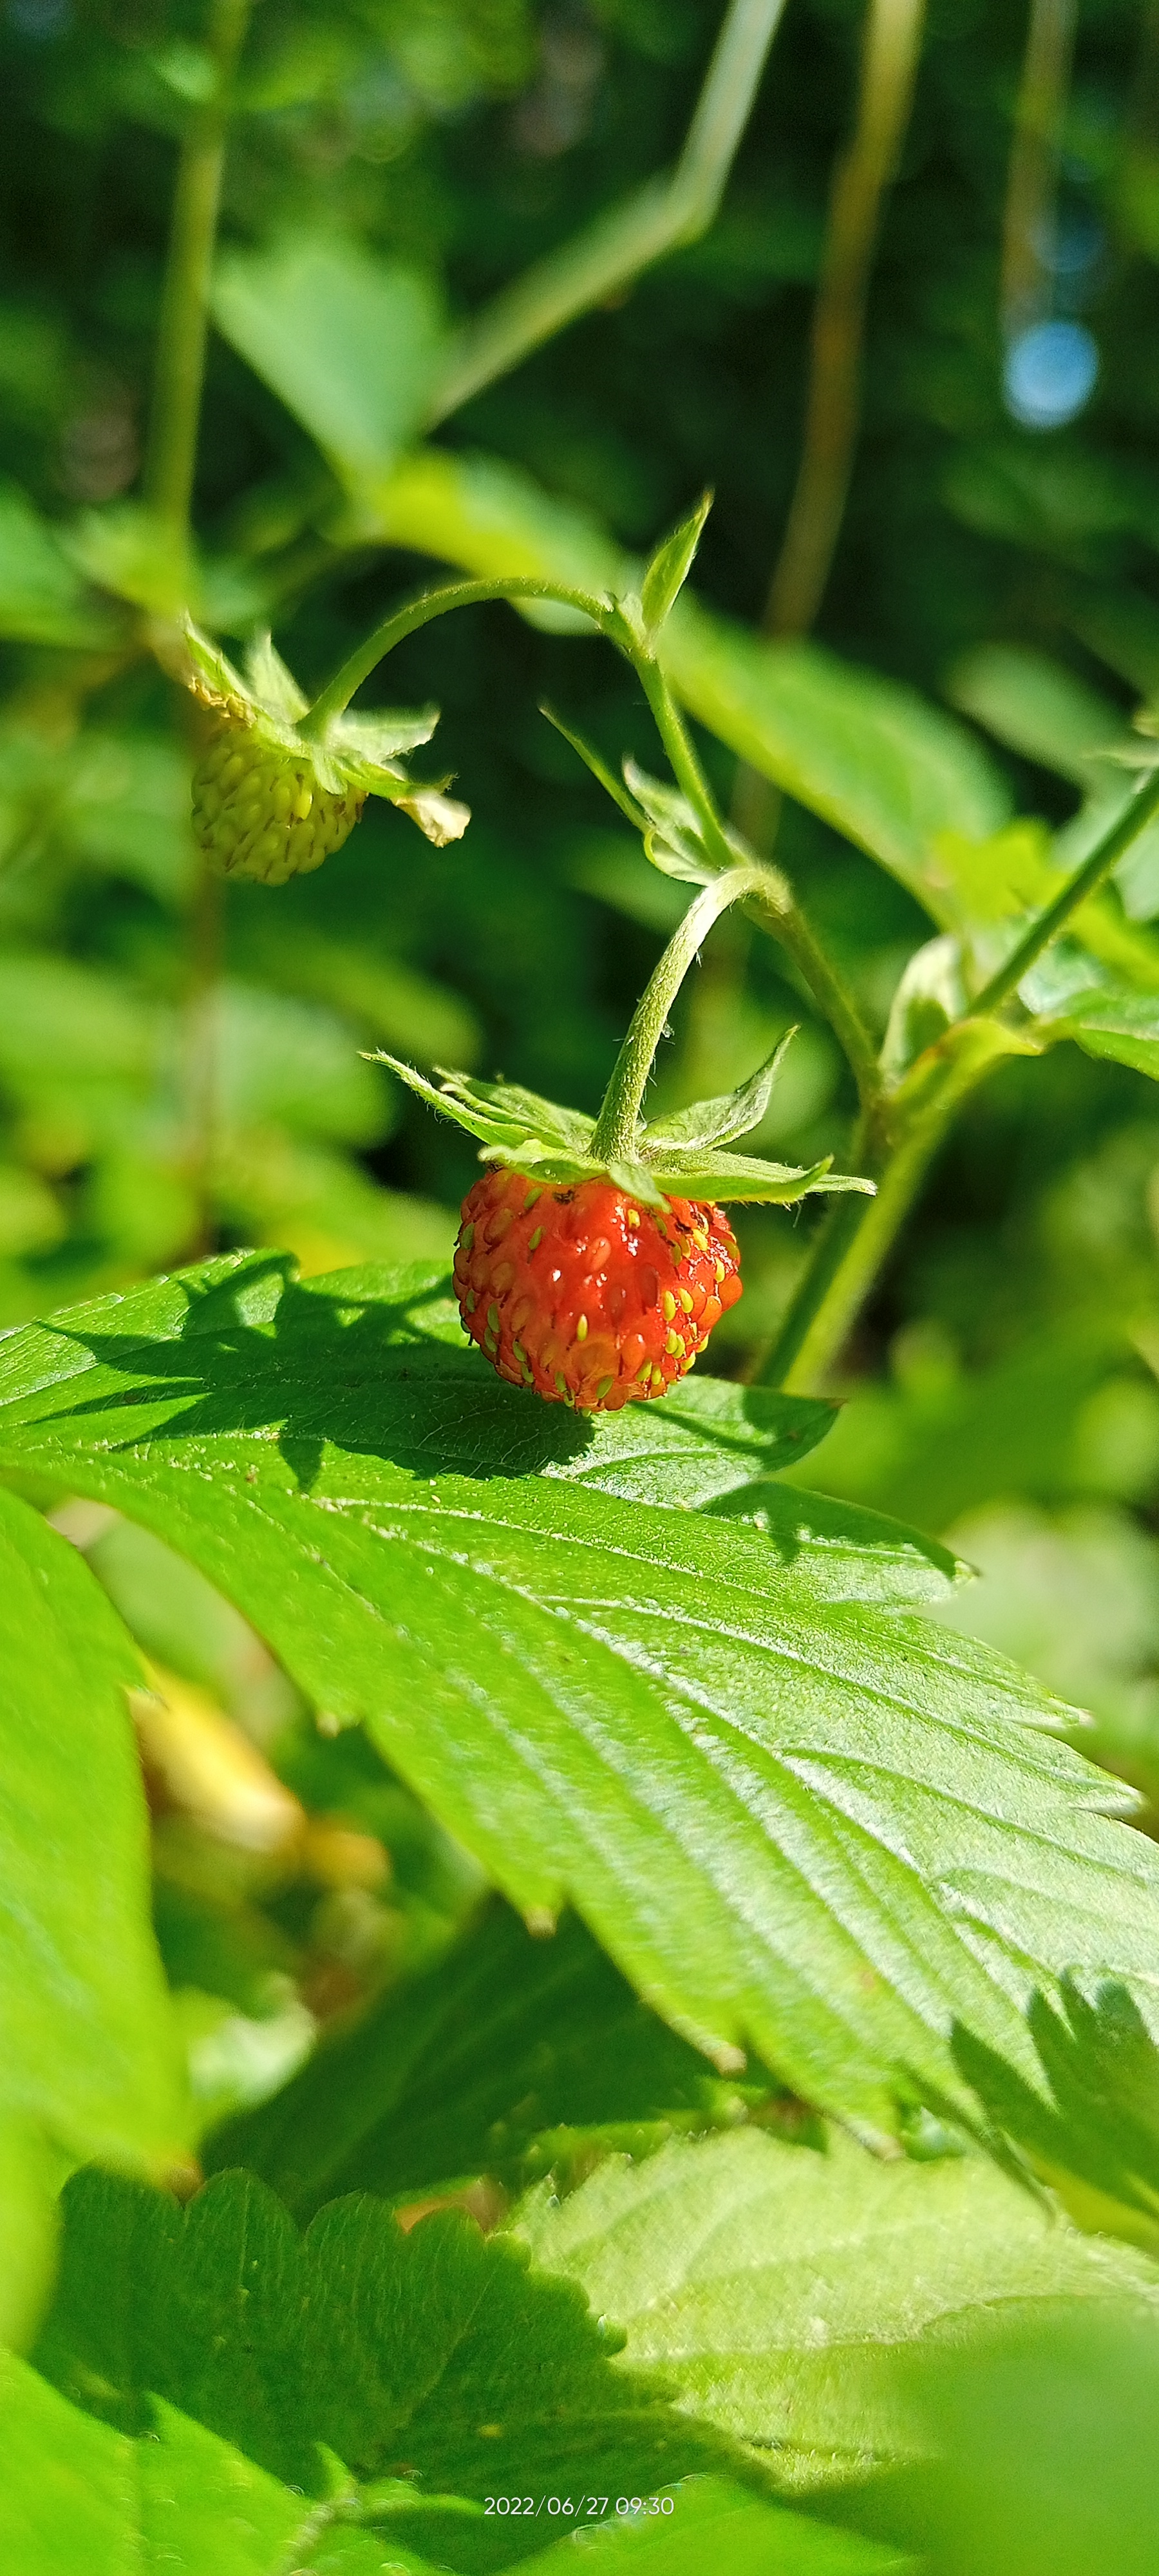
x: 684, y: 1156
x: 348, y: 758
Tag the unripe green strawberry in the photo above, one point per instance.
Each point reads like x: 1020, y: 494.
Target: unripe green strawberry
x: 259, y: 811
x: 272, y: 797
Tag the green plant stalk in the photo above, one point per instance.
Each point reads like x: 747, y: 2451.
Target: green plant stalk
x: 615, y: 1139
x: 1030, y: 216
x: 334, y: 699
x: 896, y: 1141
x: 893, y: 33
x: 631, y: 236
x: 1086, y: 881
x: 772, y: 902
x: 856, y: 1235
x: 179, y: 366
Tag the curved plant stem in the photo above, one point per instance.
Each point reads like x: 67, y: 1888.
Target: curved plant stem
x: 179, y: 365
x: 615, y: 1137
x: 630, y: 237
x: 889, y: 61
x: 337, y: 694
x: 773, y: 903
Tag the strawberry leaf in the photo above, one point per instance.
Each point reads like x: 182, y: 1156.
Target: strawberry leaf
x: 512, y: 2057
x: 88, y: 2056
x: 775, y: 2284
x: 434, y: 2361
x: 798, y: 1817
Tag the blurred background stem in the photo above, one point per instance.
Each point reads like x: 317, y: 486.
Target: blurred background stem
x: 179, y: 370
x: 170, y: 465
x: 890, y: 50
x: 1028, y: 228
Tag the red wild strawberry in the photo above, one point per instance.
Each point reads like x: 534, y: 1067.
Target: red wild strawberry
x: 587, y: 1295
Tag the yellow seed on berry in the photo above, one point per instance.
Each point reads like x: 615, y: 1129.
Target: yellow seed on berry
x: 668, y: 1302
x: 581, y: 1330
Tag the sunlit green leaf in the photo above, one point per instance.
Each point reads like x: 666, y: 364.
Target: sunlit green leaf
x: 88, y: 2058
x: 796, y: 1818
x: 766, y: 2278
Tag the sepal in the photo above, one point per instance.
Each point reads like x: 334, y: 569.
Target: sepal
x: 716, y: 1122
x: 524, y: 1132
x: 670, y: 566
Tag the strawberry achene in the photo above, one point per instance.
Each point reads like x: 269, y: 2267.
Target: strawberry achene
x: 585, y: 1294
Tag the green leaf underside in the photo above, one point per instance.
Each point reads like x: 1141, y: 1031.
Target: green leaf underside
x: 436, y: 2357
x: 797, y: 1816
x: 512, y: 2056
x: 772, y: 2284
x: 87, y: 2051
x: 518, y: 1129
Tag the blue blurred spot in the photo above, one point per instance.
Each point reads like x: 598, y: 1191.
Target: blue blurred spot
x: 1050, y: 372
x: 39, y: 19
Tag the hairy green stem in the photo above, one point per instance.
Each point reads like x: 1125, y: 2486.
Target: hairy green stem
x: 616, y: 1132
x: 179, y: 366
x: 337, y: 694
x: 773, y: 904
x: 896, y: 1140
x: 629, y: 237
x: 1140, y: 806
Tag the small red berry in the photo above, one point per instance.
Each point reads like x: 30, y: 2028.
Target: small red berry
x: 588, y: 1296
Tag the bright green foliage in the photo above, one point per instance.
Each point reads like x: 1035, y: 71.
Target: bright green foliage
x: 513, y: 2055
x: 1031, y: 2449
x: 681, y: 1157
x: 769, y: 2279
x: 348, y: 344
x: 434, y: 2358
x: 715, y: 2526
x: 87, y: 2051
x: 1097, y: 2138
x: 777, y: 1799
x: 76, y: 2493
